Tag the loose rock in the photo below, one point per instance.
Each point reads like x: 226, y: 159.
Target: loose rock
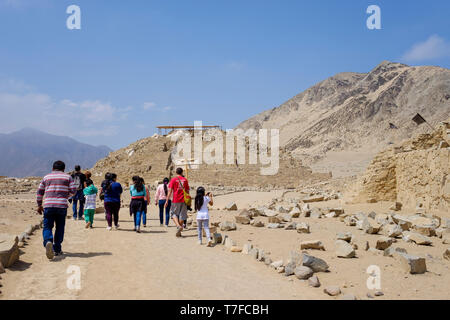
x: 413, y: 264
x: 312, y: 244
x: 383, y: 243
x: 344, y: 249
x: 314, y: 282
x: 303, y: 273
x: 332, y: 290
x: 316, y: 264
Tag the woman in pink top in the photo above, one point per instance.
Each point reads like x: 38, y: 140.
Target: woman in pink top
x: 160, y: 200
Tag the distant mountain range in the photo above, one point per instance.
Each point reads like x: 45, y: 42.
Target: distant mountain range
x: 31, y: 152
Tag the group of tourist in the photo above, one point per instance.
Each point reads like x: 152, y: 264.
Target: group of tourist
x: 172, y: 197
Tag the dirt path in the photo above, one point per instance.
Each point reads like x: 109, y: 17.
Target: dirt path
x: 151, y: 265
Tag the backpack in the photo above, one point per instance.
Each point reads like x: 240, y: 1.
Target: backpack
x: 77, y: 182
x: 187, y: 197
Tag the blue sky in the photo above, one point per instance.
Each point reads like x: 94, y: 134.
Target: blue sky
x: 138, y: 64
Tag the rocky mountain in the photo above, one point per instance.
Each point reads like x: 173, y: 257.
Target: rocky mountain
x: 361, y: 113
x: 30, y: 152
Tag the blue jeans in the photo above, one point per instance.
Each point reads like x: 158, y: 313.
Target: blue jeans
x: 161, y: 211
x: 78, y: 197
x: 54, y: 216
x: 140, y: 215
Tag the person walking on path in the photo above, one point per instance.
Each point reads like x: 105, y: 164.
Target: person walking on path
x: 147, y: 202
x: 137, y: 205
x: 90, y: 193
x: 79, y: 179
x: 178, y: 209
x: 111, y: 191
x: 160, y: 199
x: 201, y: 205
x: 52, y: 195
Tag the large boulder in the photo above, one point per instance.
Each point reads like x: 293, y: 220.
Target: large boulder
x: 316, y: 264
x: 344, y: 249
x: 9, y: 249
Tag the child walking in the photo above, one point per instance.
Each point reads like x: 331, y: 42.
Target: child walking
x: 201, y: 205
x: 90, y: 194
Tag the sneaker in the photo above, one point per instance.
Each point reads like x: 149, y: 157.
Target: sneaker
x: 108, y: 228
x: 199, y: 242
x: 178, y: 234
x: 166, y: 226
x: 160, y: 224
x: 210, y: 243
x: 88, y: 225
x: 116, y: 227
x: 49, y: 250
x: 138, y: 230
x: 145, y: 226
x: 59, y: 253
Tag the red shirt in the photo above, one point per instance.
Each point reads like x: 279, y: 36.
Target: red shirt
x: 178, y: 196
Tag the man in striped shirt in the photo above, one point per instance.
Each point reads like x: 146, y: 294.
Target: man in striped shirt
x: 54, y: 191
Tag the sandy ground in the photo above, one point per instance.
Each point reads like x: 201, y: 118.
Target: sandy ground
x: 157, y: 265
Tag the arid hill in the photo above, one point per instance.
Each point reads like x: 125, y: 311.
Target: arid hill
x: 358, y: 112
x: 152, y: 159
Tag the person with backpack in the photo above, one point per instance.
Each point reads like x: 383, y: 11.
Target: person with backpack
x: 79, y: 179
x: 179, y: 187
x: 90, y: 193
x: 111, y: 192
x: 202, y: 199
x: 52, y: 195
x: 147, y: 202
x: 138, y: 194
x: 160, y: 199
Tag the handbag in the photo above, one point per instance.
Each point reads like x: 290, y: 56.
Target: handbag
x: 186, y: 196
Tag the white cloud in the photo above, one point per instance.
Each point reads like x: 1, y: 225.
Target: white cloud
x: 149, y: 106
x: 433, y: 48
